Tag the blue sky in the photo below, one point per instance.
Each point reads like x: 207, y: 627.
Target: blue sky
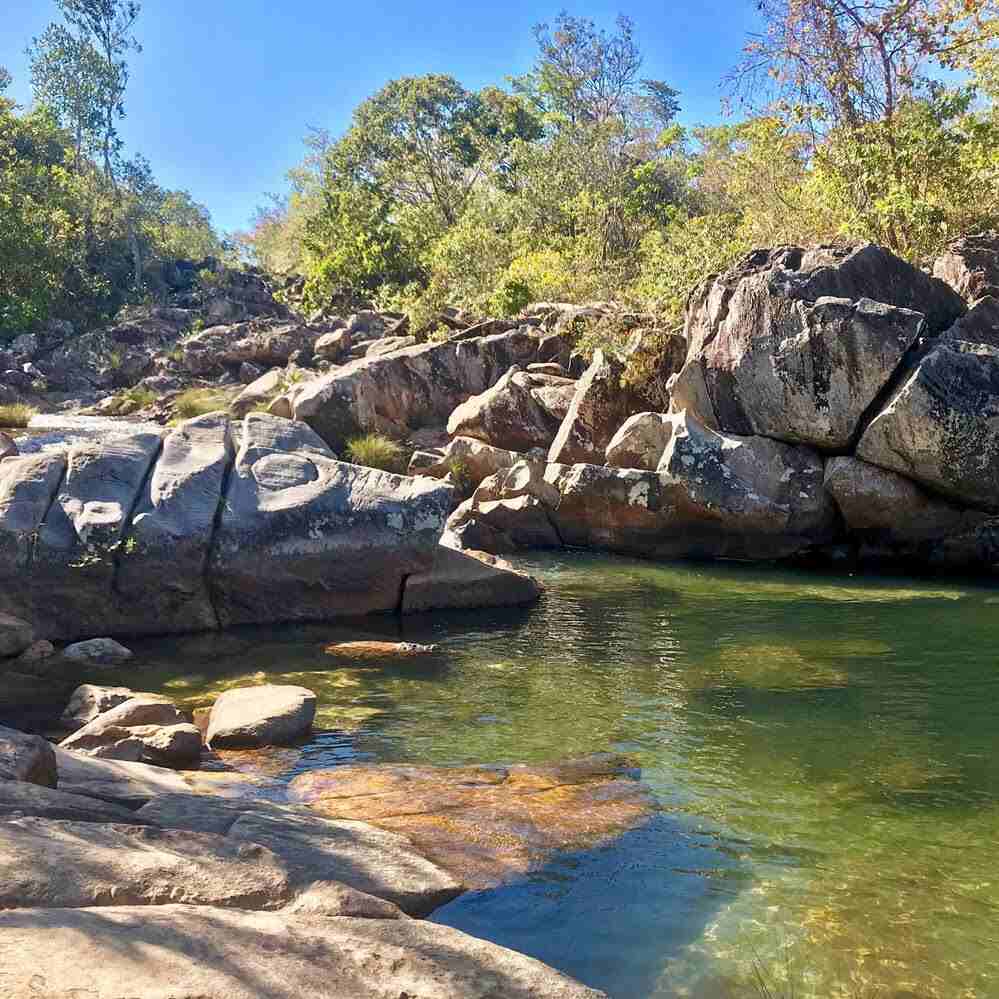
x: 224, y: 90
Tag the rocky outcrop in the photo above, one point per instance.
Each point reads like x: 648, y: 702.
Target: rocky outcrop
x: 216, y: 523
x: 262, y: 343
x: 27, y: 758
x: 409, y: 388
x: 941, y: 428
x: 515, y: 414
x: 970, y: 265
x: 260, y: 716
x: 600, y: 404
x: 797, y: 344
x: 712, y: 496
x: 146, y: 953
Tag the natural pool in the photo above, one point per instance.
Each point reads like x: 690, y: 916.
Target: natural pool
x: 825, y: 750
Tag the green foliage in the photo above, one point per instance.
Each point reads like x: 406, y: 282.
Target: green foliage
x: 377, y: 451
x: 16, y: 415
x: 198, y: 401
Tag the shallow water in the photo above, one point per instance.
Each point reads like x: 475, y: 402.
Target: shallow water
x: 825, y: 750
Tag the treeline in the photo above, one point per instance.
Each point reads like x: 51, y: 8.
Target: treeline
x: 858, y: 120
x: 81, y: 224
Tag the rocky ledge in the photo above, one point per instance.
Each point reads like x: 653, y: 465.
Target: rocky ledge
x: 220, y: 522
x: 121, y: 878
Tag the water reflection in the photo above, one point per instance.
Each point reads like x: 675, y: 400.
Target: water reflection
x: 824, y: 749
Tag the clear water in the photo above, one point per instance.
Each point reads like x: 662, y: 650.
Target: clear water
x: 825, y: 751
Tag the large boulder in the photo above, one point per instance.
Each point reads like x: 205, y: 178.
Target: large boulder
x: 267, y: 344
x: 259, y: 393
x: 466, y: 580
x: 15, y: 635
x: 512, y: 414
x: 90, y: 700
x: 970, y: 265
x: 640, y: 441
x: 941, y: 427
x: 600, y: 404
x: 97, y: 652
x: 27, y: 758
x: 268, y: 715
x: 303, y: 536
x: 796, y: 344
x: 146, y: 953
x: 409, y: 388
x: 891, y: 518
x: 470, y: 459
x: 797, y: 371
x: 162, y: 574
x: 980, y: 324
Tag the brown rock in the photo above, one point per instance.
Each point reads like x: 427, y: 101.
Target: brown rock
x: 26, y: 758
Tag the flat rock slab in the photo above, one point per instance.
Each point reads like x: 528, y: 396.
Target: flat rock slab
x: 18, y: 799
x: 372, y: 860
x: 484, y: 824
x: 58, y: 864
x: 117, y: 781
x: 193, y: 953
x: 26, y: 758
x: 268, y: 715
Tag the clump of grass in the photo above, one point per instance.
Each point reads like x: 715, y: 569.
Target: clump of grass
x: 16, y: 415
x: 376, y: 451
x: 198, y: 401
x: 140, y: 395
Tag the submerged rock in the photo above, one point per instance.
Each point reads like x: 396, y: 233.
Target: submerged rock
x: 484, y: 824
x: 103, y: 651
x: 378, y: 650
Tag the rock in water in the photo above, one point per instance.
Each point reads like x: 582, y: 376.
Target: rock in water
x: 26, y: 758
x: 103, y: 651
x: 305, y: 537
x: 260, y: 716
x: 378, y: 650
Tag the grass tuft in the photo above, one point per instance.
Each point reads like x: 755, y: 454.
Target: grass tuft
x: 376, y: 451
x: 198, y: 401
x: 16, y: 415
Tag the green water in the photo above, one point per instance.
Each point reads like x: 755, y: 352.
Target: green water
x: 825, y: 750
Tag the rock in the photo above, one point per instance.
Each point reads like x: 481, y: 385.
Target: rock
x: 980, y: 324
x: 88, y: 701
x: 249, y: 373
x: 281, y: 407
x: 146, y: 953
x: 265, y: 344
x: 207, y: 812
x: 509, y: 415
x: 357, y: 854
x: 970, y: 265
x: 468, y: 580
x: 379, y: 650
x: 120, y: 782
x: 893, y: 519
x: 61, y: 864
x: 103, y: 651
x: 355, y: 532
x: 176, y: 746
x: 796, y: 371
x: 259, y: 393
x: 8, y: 447
x: 75, y: 557
x: 413, y: 387
x: 940, y: 427
x: 163, y: 584
x: 27, y: 758
x: 473, y: 459
x: 600, y: 405
x: 15, y: 635
x: 333, y: 346
x: 485, y: 824
x: 18, y: 799
x: 261, y: 716
x: 640, y: 441
x: 388, y: 345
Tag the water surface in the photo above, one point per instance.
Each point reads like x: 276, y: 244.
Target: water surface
x: 825, y: 750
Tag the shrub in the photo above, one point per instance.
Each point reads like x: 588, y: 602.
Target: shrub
x: 16, y: 414
x: 197, y: 402
x: 376, y: 451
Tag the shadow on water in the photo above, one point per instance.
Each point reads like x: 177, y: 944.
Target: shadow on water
x: 615, y: 916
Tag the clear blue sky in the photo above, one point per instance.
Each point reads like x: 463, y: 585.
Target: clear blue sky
x: 224, y: 90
